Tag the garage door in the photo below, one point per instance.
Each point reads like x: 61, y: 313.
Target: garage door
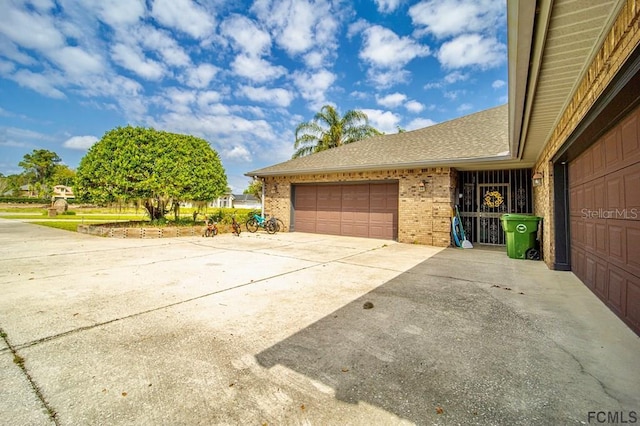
x: 359, y: 210
x: 604, y: 186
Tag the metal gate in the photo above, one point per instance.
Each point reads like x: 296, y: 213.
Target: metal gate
x: 486, y: 195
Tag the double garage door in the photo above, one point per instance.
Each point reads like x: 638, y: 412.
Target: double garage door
x: 357, y: 209
x: 604, y: 186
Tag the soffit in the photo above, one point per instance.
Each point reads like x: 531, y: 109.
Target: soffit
x: 567, y: 35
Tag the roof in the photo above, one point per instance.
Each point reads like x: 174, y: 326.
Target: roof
x: 478, y: 137
x: 245, y: 197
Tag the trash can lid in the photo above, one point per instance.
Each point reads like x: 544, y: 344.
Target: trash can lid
x: 518, y: 216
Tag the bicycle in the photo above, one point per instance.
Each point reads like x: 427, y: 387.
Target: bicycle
x: 212, y: 228
x: 235, y: 226
x: 279, y: 225
x: 256, y: 221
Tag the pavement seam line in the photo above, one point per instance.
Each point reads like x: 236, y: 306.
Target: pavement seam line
x: 202, y: 296
x: 20, y: 362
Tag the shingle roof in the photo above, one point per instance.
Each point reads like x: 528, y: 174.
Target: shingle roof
x: 468, y: 139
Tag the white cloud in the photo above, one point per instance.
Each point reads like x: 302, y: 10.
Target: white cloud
x: 246, y: 35
x: 29, y: 29
x: 201, y: 76
x: 299, y: 25
x: 313, y: 86
x: 208, y: 97
x: 11, y: 51
x: 134, y: 60
x: 464, y: 107
x: 184, y: 15
x: 414, y: 106
x: 387, y: 6
x: 357, y: 27
x: 392, y: 100
x: 385, y: 121
x: 256, y: 69
x: 279, y: 97
x: 498, y: 84
x: 41, y: 83
x: 80, y: 142
x: 76, y: 61
x: 420, y: 123
x: 161, y: 41
x: 238, y: 153
x: 472, y: 50
x: 455, y: 77
x: 120, y: 12
x: 383, y: 48
x: 446, y: 18
x: 387, y: 78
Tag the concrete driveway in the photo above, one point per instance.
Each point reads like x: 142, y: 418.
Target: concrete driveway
x: 271, y: 329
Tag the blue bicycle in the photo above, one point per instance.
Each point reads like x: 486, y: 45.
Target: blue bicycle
x: 256, y: 221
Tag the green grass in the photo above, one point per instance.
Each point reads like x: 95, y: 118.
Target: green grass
x: 94, y: 215
x: 67, y: 226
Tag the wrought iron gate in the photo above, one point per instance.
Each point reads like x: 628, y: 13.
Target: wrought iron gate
x: 486, y: 195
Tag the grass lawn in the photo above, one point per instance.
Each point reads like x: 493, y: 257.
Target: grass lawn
x: 94, y: 215
x: 66, y: 225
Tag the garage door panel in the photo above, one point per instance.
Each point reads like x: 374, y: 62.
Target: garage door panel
x: 617, y: 289
x: 598, y: 159
x: 615, y: 191
x: 632, y: 191
x: 601, y: 239
x: 612, y: 150
x: 590, y: 236
x: 630, y: 141
x: 604, y: 181
x: 599, y: 194
x: 617, y: 242
x: 633, y: 248
x: 305, y: 208
x: 329, y: 205
x: 632, y: 306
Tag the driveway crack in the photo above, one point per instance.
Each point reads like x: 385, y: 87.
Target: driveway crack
x: 20, y: 362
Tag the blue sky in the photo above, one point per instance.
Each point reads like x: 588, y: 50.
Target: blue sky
x: 240, y: 74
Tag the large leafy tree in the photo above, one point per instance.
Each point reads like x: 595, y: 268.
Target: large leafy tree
x: 41, y: 164
x: 329, y: 130
x: 154, y: 168
x: 63, y: 175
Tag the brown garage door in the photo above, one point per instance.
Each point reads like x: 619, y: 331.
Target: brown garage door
x: 360, y: 210
x: 604, y: 186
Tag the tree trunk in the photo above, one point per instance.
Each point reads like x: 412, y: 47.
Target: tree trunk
x: 155, y: 209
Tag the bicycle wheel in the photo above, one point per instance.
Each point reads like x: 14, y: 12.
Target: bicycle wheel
x: 280, y: 226
x: 236, y: 229
x: 270, y: 227
x: 215, y: 231
x: 252, y: 225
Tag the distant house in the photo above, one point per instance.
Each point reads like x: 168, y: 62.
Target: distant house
x: 239, y: 201
x: 62, y: 191
x: 246, y: 201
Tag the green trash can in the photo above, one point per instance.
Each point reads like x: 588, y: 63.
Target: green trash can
x: 521, y: 231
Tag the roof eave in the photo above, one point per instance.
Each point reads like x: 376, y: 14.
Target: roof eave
x: 450, y: 162
x: 527, y: 23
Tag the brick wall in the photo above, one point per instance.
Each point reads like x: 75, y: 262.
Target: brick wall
x: 424, y: 216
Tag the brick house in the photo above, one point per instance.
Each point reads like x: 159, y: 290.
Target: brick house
x: 572, y: 121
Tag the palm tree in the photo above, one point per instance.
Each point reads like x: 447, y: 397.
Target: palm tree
x: 328, y: 130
